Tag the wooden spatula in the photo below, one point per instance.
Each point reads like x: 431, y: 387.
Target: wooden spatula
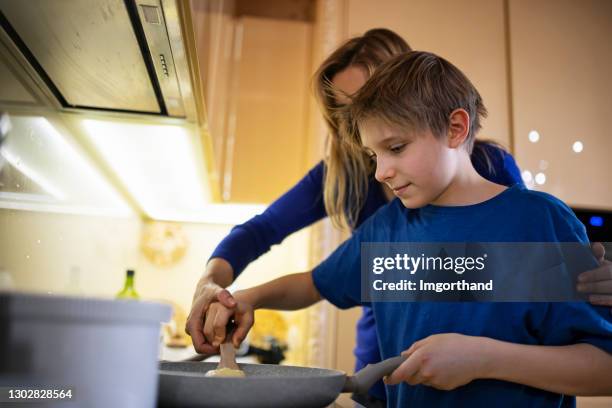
x: 228, y: 355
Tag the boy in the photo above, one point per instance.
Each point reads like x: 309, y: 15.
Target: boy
x: 417, y: 117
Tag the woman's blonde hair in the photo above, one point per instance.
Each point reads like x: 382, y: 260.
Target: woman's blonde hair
x: 347, y: 168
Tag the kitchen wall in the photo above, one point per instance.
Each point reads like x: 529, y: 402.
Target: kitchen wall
x: 41, y: 251
x: 85, y: 255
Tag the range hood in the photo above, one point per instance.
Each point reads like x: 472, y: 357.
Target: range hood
x: 116, y: 55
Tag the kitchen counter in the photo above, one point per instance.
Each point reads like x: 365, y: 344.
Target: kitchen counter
x: 175, y: 353
x: 178, y: 354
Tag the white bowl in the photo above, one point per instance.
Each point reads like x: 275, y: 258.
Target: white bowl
x: 105, y: 351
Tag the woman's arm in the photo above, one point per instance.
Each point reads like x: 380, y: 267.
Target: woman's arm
x: 598, y: 282
x: 495, y: 164
x: 296, y: 209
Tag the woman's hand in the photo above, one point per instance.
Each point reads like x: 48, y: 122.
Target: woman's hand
x: 219, y: 316
x: 598, y: 282
x: 208, y: 290
x: 443, y: 361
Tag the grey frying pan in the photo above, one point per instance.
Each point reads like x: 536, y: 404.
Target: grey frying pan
x: 183, y: 384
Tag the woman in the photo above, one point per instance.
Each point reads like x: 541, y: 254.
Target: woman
x: 342, y: 187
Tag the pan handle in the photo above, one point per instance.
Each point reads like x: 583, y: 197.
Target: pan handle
x: 365, y: 378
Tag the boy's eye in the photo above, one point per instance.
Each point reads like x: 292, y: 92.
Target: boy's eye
x: 397, y: 148
x: 372, y: 157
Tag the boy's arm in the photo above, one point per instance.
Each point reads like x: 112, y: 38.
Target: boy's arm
x: 290, y: 292
x: 447, y: 361
x: 577, y: 369
x: 336, y: 279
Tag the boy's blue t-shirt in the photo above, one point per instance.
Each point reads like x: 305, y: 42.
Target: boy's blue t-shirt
x: 303, y: 205
x: 515, y: 215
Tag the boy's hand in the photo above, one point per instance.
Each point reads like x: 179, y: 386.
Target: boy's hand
x: 218, y: 316
x: 598, y: 282
x: 443, y: 361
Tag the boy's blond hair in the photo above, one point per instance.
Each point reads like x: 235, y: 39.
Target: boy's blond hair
x: 418, y: 91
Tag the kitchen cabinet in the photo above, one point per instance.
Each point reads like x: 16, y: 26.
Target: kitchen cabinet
x: 256, y: 76
x: 213, y: 28
x: 540, y: 66
x: 593, y: 402
x: 469, y: 33
x: 265, y: 151
x: 561, y: 88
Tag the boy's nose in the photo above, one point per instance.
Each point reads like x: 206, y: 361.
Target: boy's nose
x: 383, y: 172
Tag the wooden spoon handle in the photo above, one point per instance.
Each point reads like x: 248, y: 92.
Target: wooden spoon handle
x: 228, y: 356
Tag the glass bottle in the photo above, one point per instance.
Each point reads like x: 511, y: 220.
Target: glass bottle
x: 128, y: 291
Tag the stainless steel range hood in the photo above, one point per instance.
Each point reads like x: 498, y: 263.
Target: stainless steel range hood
x: 104, y: 54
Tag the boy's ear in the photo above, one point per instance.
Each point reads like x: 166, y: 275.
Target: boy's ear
x: 458, y: 128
